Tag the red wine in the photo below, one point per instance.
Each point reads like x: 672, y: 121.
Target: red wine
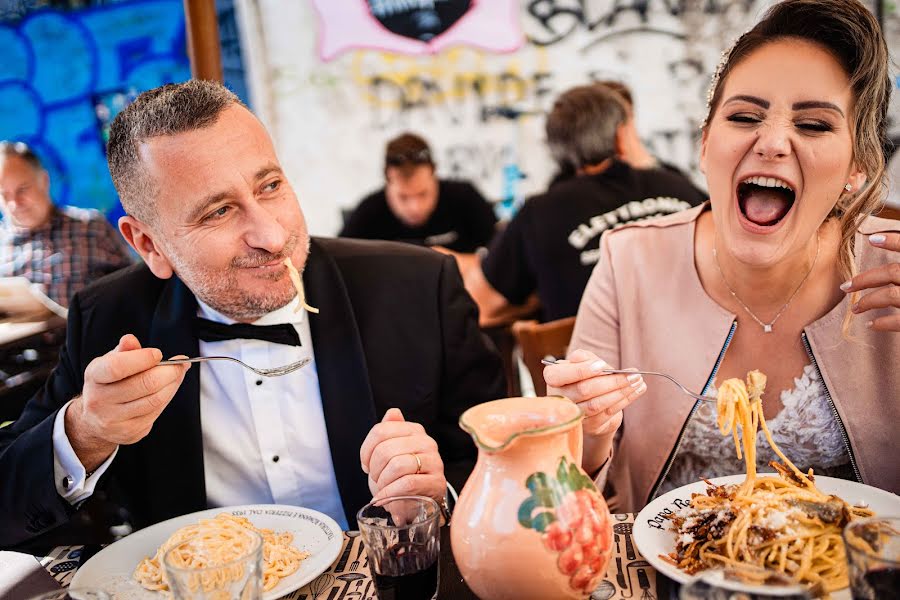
x: 408, y: 571
x: 878, y: 584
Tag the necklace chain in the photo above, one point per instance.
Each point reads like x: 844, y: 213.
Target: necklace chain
x: 767, y: 327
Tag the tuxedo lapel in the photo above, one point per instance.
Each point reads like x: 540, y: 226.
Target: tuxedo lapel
x: 343, y: 377
x: 174, y: 449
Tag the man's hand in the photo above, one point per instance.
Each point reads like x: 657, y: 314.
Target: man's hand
x: 388, y: 455
x: 125, y: 390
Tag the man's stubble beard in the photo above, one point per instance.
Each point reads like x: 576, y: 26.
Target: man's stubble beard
x: 222, y: 292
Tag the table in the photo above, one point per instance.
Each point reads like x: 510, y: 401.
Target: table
x: 628, y: 574
x: 29, y: 349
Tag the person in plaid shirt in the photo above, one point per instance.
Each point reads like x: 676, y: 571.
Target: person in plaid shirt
x: 61, y: 248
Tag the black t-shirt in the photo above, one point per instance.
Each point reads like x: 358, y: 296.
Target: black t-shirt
x: 462, y: 221
x: 553, y: 243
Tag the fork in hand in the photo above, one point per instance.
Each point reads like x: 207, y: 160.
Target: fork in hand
x: 701, y: 397
x: 273, y: 372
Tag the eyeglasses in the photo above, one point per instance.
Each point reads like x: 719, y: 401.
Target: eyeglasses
x: 419, y: 157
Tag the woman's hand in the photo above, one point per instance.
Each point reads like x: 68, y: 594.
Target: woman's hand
x: 602, y: 397
x: 885, y: 281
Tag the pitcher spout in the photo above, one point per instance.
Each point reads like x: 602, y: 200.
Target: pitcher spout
x: 494, y: 426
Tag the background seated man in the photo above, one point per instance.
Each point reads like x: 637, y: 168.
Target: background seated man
x: 552, y: 244
x: 395, y: 347
x: 61, y: 248
x: 415, y: 206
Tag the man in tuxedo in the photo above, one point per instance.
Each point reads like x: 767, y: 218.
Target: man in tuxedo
x: 396, y: 352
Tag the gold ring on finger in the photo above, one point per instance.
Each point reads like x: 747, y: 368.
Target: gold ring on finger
x: 418, y: 463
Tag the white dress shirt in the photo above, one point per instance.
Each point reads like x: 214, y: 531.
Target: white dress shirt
x: 264, y: 439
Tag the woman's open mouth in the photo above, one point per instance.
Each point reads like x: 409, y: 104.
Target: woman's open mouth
x: 765, y: 201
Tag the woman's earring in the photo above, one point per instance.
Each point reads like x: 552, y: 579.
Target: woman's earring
x: 848, y: 187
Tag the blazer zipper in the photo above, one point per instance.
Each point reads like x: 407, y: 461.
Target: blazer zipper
x: 834, y: 410
x: 709, y: 382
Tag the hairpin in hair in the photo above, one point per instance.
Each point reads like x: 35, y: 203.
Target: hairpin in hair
x: 717, y: 74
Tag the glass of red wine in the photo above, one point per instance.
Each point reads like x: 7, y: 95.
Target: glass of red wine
x: 873, y: 557
x: 403, y: 541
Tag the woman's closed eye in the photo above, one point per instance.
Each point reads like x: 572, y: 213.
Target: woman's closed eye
x: 744, y: 118
x: 815, y: 126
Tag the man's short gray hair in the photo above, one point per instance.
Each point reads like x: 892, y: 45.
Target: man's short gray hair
x: 581, y: 128
x: 166, y: 110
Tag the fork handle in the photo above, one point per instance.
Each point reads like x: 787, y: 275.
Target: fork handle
x: 180, y: 361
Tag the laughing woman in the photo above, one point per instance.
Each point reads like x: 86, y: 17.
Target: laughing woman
x: 784, y: 271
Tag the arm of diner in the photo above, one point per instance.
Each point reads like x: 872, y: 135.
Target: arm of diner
x: 493, y: 307
x: 115, y: 399
x: 73, y: 481
x: 29, y: 502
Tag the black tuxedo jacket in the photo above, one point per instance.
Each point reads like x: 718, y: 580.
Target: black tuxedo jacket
x: 396, y: 328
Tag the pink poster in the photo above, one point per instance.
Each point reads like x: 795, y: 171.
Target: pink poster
x: 417, y: 27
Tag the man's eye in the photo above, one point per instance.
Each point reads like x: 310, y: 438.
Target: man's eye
x: 218, y: 213
x: 271, y: 187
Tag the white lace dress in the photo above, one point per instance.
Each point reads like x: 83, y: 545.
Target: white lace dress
x: 805, y: 430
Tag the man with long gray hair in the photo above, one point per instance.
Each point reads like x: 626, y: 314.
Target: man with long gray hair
x: 552, y: 244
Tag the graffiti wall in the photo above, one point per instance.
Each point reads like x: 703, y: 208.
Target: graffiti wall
x: 332, y: 104
x: 66, y: 73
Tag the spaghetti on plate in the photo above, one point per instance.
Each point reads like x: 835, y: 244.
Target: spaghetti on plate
x: 781, y: 523
x: 224, y: 540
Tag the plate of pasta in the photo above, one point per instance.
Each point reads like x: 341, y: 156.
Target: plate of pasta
x: 298, y: 545
x: 757, y: 529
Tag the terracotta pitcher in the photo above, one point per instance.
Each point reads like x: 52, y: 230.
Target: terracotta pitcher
x: 529, y: 524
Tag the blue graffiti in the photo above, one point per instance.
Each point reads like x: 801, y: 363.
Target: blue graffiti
x: 66, y: 74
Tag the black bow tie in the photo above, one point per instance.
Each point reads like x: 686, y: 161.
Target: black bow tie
x: 210, y: 331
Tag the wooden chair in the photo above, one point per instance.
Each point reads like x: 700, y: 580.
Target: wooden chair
x: 538, y: 340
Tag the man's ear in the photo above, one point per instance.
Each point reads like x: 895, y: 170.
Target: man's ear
x: 620, y: 141
x: 140, y: 237
x: 44, y: 181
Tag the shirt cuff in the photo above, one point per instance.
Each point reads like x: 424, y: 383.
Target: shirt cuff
x: 73, y: 482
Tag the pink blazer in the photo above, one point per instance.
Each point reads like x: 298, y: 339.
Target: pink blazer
x: 645, y: 307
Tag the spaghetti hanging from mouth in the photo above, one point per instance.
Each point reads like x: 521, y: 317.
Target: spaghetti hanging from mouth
x: 298, y: 285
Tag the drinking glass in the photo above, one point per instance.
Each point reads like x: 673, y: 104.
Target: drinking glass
x: 873, y: 557
x: 238, y: 578
x: 402, y: 538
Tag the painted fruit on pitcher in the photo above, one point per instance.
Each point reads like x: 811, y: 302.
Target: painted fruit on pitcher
x: 566, y: 510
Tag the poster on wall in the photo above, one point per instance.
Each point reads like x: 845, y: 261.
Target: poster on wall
x: 417, y: 27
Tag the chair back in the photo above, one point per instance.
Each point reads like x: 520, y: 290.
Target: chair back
x: 539, y: 340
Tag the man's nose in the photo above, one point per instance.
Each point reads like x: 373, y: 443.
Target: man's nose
x: 264, y: 232
x: 773, y: 141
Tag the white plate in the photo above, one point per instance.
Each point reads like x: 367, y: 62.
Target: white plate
x: 111, y: 568
x: 653, y: 536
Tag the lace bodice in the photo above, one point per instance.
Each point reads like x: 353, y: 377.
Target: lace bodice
x: 805, y: 429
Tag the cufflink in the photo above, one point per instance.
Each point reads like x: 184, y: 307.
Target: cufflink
x: 67, y: 482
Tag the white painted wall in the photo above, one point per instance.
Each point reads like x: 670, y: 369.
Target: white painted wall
x: 330, y: 122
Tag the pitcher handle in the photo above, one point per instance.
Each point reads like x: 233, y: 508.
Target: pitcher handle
x: 576, y: 443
